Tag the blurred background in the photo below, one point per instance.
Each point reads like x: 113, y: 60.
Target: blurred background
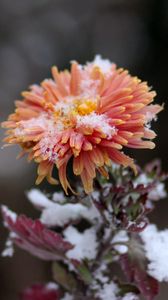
x: 34, y: 35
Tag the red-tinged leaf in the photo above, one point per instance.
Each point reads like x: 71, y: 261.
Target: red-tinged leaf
x: 40, y: 292
x: 138, y: 225
x: 135, y: 273
x: 148, y: 285
x: 145, y: 189
x: 34, y: 237
x: 127, y: 267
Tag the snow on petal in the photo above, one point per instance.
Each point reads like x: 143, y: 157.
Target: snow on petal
x: 96, y: 121
x: 103, y: 64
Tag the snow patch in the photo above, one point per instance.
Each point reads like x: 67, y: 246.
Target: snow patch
x: 8, y: 213
x: 67, y: 297
x: 58, y: 214
x: 99, y: 276
x: 120, y: 237
x: 38, y: 199
x: 52, y: 286
x: 85, y: 243
x: 156, y: 247
x: 108, y: 291
x: 158, y: 192
x: 130, y: 296
x: 95, y: 195
x: 59, y: 197
x: 9, y: 249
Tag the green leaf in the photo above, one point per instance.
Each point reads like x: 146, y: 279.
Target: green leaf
x: 84, y: 273
x: 128, y: 288
x: 63, y: 277
x: 108, y: 257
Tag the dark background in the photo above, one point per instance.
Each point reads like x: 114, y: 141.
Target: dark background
x: 34, y: 35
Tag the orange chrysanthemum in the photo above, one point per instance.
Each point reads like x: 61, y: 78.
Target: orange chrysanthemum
x: 87, y: 114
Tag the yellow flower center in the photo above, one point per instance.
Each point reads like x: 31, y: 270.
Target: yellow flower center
x: 78, y: 106
x: 85, y: 107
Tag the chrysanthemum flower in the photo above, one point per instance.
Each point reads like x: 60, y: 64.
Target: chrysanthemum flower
x: 88, y: 114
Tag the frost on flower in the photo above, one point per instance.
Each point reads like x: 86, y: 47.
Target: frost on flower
x: 89, y: 115
x: 103, y: 64
x: 156, y: 247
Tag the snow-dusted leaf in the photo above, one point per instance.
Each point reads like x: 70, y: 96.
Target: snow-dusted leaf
x: 137, y: 226
x: 34, y: 237
x: 41, y: 292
